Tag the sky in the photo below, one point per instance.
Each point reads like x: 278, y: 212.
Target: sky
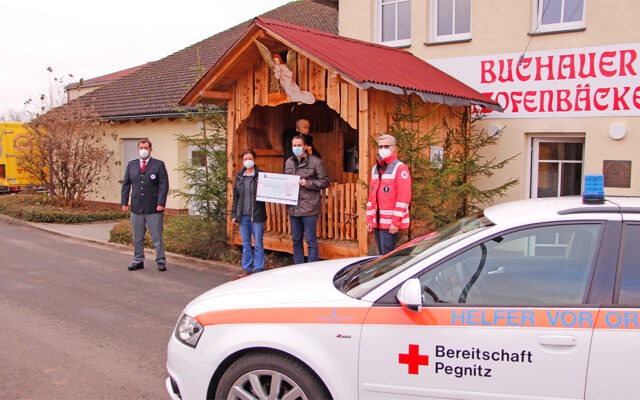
x: 88, y: 39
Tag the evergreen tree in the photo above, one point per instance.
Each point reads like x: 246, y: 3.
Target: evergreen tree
x: 453, y: 190
x: 206, y: 175
x: 413, y: 148
x: 445, y: 187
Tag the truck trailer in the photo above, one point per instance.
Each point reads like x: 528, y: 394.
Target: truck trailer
x: 13, y: 138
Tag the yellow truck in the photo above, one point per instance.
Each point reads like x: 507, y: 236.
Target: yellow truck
x: 13, y: 138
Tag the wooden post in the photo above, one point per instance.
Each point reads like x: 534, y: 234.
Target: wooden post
x: 352, y: 210
x: 269, y: 221
x: 330, y: 212
x: 337, y: 211
x: 231, y: 158
x: 343, y: 212
x: 363, y: 167
x: 323, y: 214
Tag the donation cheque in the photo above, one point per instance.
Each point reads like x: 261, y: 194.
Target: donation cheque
x: 278, y: 188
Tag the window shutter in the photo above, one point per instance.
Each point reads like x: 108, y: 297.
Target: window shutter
x: 129, y: 150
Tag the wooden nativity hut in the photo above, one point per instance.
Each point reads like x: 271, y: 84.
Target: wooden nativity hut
x: 346, y: 88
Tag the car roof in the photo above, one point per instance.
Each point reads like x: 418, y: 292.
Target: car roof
x: 549, y: 209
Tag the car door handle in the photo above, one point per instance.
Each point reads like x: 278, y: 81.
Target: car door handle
x: 557, y: 340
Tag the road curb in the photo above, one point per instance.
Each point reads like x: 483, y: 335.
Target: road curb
x: 171, y: 257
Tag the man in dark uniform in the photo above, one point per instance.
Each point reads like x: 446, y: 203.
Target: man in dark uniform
x: 146, y: 178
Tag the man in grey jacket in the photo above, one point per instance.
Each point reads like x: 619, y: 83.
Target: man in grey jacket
x: 304, y: 216
x: 147, y: 180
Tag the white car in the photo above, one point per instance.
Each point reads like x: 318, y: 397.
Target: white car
x: 531, y: 299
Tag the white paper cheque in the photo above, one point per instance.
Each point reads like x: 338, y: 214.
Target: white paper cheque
x: 278, y: 188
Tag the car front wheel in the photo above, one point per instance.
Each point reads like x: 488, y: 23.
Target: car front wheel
x: 266, y: 375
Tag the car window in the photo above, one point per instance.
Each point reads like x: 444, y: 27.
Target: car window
x: 358, y: 280
x: 630, y: 281
x: 534, y: 266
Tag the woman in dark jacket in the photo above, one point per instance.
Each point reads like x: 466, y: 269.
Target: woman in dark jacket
x: 249, y: 213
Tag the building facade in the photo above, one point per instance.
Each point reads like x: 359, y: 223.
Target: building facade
x: 565, y: 71
x: 142, y: 102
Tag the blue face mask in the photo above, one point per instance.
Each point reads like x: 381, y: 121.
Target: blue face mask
x: 297, y: 151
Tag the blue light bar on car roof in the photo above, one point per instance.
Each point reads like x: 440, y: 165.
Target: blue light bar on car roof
x: 593, y: 189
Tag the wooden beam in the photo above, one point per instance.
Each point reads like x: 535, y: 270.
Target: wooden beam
x: 363, y: 168
x: 215, y: 95
x: 231, y: 159
x: 275, y: 99
x: 328, y: 249
x: 211, y: 77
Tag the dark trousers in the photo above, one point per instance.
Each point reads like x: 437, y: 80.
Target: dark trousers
x: 306, y: 226
x: 386, y: 241
x: 139, y: 225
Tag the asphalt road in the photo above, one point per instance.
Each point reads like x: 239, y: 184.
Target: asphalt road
x: 77, y: 325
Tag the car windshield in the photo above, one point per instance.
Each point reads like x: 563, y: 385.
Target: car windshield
x: 358, y: 279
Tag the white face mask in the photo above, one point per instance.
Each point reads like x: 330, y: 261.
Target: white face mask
x: 248, y: 164
x: 144, y: 153
x: 384, y: 153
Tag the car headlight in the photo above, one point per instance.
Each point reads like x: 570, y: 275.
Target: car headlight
x: 188, y: 330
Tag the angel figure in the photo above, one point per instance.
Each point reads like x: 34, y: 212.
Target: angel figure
x: 284, y: 75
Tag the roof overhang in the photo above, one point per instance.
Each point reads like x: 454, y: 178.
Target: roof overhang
x: 215, y: 85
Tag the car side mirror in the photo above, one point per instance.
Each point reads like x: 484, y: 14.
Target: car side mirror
x: 410, y: 295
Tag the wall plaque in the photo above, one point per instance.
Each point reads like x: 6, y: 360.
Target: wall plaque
x: 617, y: 173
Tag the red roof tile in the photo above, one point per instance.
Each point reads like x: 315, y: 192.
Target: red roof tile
x: 104, y: 79
x: 155, y: 88
x: 378, y: 66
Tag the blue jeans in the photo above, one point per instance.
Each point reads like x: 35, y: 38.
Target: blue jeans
x: 306, y: 225
x: 251, y: 256
x: 386, y: 241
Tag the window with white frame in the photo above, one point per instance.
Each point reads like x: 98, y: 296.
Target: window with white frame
x: 394, y: 22
x: 451, y: 20
x: 559, y: 15
x: 556, y: 167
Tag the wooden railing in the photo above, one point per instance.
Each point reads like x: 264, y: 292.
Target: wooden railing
x: 337, y: 220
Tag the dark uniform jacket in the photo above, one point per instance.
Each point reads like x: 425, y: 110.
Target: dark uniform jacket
x: 313, y: 170
x: 258, y: 208
x: 148, y: 189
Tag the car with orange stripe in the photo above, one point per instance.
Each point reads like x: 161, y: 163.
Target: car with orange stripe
x: 526, y: 300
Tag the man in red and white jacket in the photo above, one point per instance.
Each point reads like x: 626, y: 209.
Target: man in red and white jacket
x: 389, y: 196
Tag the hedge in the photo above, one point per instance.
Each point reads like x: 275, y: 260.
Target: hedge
x: 192, y: 236
x: 41, y: 208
